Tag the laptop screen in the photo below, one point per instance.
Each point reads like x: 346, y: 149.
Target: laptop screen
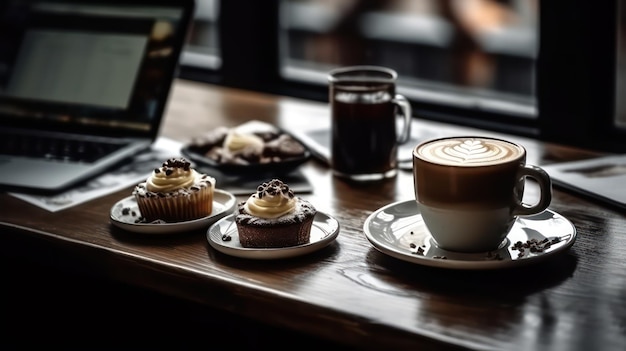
x: 102, y: 65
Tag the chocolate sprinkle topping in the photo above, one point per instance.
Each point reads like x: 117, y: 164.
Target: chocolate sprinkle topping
x: 274, y: 187
x: 176, y: 162
x: 172, y: 163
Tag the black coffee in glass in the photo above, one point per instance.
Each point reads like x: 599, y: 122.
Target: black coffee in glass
x: 364, y: 106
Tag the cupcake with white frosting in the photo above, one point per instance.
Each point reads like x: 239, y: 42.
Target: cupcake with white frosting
x: 274, y: 217
x: 175, y: 192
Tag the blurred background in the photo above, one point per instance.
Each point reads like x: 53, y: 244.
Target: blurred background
x: 463, y: 52
x: 529, y: 67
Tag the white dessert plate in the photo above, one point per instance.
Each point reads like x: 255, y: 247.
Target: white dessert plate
x: 398, y: 230
x: 224, y: 237
x: 125, y: 213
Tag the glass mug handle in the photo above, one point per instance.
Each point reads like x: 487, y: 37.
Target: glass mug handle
x: 545, y: 188
x: 405, y: 108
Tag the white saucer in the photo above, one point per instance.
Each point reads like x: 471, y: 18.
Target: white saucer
x: 399, y: 231
x: 125, y: 213
x: 224, y: 237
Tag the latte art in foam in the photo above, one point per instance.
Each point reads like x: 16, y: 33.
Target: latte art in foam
x: 469, y: 151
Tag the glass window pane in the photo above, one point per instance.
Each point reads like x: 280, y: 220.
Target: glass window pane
x: 477, y: 54
x: 202, y: 48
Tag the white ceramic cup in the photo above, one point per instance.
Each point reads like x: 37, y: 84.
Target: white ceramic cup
x: 469, y: 190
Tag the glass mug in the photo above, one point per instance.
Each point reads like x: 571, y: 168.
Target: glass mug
x: 364, y: 109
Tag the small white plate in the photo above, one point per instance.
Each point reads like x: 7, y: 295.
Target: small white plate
x: 323, y: 231
x: 125, y: 213
x: 398, y: 230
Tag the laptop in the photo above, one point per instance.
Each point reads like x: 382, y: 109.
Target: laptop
x: 83, y: 85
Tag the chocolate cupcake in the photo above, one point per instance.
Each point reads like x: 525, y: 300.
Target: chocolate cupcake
x: 274, y: 217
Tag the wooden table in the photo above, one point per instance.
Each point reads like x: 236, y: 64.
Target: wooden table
x: 108, y: 283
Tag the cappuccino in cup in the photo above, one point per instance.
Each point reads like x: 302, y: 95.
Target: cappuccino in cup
x: 469, y: 190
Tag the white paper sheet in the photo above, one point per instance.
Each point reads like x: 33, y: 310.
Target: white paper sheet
x: 132, y: 172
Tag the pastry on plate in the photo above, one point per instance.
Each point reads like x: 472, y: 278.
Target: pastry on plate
x: 245, y: 147
x: 175, y: 192
x: 274, y: 217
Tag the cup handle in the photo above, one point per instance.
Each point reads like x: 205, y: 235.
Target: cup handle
x: 405, y: 108
x: 545, y: 187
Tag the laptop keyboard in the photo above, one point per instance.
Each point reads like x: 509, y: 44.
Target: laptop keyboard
x: 52, y: 148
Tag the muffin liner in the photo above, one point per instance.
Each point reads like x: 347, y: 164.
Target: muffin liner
x: 176, y: 206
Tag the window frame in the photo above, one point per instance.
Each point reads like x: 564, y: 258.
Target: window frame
x: 577, y: 74
x: 575, y: 79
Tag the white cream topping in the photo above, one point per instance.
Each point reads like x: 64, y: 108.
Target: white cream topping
x: 272, y: 200
x: 175, y: 174
x: 236, y: 142
x: 179, y: 178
